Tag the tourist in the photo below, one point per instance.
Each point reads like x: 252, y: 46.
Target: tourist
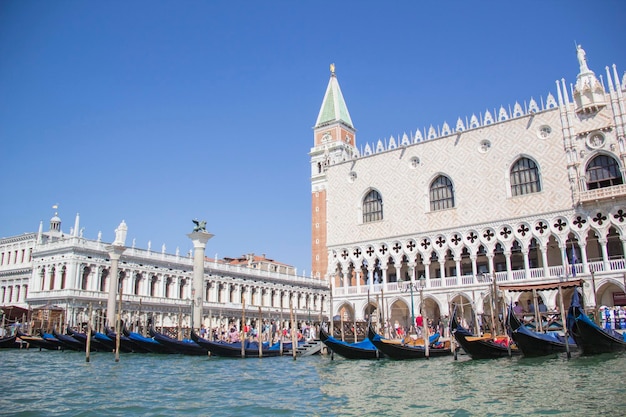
x: 530, y: 308
x: 518, y: 309
x: 542, y: 307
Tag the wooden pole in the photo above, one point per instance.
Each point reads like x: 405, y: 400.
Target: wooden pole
x: 494, y: 294
x: 118, y: 323
x: 563, y: 320
x: 259, y: 332
x: 331, y: 318
x: 88, y: 344
x: 424, y: 324
x: 505, y: 320
x: 354, y: 320
x: 595, y: 300
x: 341, y: 322
x: 385, y: 318
x: 476, y: 323
x: 243, y: 325
x: 537, y: 315
x: 294, y: 338
x: 452, y: 338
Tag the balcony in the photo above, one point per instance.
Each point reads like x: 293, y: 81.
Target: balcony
x: 470, y: 282
x: 602, y: 194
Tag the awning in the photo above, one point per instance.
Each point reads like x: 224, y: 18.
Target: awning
x: 13, y: 313
x: 543, y: 287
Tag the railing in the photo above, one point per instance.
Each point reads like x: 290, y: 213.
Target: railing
x: 517, y: 276
x: 602, y: 193
x: 183, y: 262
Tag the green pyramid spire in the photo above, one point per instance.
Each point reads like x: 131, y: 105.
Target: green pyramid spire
x: 334, y: 107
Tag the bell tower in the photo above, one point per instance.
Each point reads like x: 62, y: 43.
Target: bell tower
x: 333, y: 142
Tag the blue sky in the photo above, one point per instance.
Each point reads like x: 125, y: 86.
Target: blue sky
x: 158, y: 112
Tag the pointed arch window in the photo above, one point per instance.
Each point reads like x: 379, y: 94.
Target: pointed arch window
x: 372, y: 207
x: 441, y: 194
x: 525, y: 177
x: 603, y: 171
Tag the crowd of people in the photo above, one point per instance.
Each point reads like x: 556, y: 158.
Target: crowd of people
x: 270, y: 331
x: 613, y: 317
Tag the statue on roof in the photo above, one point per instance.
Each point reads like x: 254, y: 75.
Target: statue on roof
x: 582, y: 59
x: 120, y: 234
x: 200, y: 225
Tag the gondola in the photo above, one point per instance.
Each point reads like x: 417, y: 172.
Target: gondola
x: 49, y: 337
x: 358, y: 350
x: 534, y: 343
x: 185, y: 346
x: 481, y: 347
x: 591, y: 338
x: 148, y: 343
x: 126, y: 344
x: 38, y: 341
x: 68, y: 342
x: 108, y: 343
x: 10, y: 342
x: 94, y: 345
x: 233, y: 350
x: 396, y: 349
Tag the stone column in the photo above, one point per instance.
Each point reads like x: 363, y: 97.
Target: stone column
x: 199, y: 239
x: 115, y: 252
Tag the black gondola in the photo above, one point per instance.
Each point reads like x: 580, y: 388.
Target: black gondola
x: 68, y: 342
x: 49, y: 337
x: 397, y: 350
x: 94, y: 345
x: 359, y: 350
x: 10, y: 342
x: 126, y: 344
x: 38, y: 341
x: 591, y: 338
x: 536, y: 344
x: 148, y: 343
x: 185, y: 346
x: 481, y: 347
x: 233, y: 350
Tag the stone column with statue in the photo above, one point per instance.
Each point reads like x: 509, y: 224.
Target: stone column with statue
x: 115, y: 251
x: 199, y: 237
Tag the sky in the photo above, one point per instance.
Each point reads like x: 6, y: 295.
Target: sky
x: 158, y: 112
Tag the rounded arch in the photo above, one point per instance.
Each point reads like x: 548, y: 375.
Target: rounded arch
x: 371, y: 206
x: 399, y: 314
x: 602, y: 170
x: 441, y: 193
x: 523, y: 176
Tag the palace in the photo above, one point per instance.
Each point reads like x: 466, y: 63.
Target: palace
x: 529, y: 194
x: 55, y: 271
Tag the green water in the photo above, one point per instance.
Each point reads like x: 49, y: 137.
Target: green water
x: 55, y: 383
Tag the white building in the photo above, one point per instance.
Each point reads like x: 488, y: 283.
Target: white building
x: 66, y: 270
x: 515, y: 193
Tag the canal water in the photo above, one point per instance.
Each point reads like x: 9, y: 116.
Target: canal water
x: 56, y: 383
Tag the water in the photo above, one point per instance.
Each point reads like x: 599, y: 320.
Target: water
x: 55, y: 383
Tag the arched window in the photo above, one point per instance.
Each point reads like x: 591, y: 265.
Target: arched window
x: 525, y: 177
x: 441, y: 194
x: 603, y: 171
x: 153, y: 286
x: 372, y: 207
x: 103, y: 279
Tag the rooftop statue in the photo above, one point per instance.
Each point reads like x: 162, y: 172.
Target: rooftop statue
x: 120, y: 234
x: 582, y: 59
x: 200, y: 225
